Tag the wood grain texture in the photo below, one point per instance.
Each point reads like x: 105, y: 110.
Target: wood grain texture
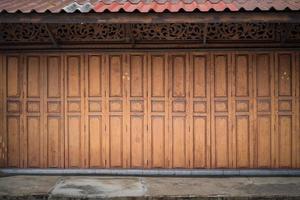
x: 150, y: 110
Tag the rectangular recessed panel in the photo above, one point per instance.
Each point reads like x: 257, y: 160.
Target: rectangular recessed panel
x: 264, y: 141
x: 13, y: 107
x: 13, y: 76
x: 54, y: 107
x: 95, y: 106
x: 179, y: 106
x: 94, y: 76
x: 74, y: 141
x: 74, y: 106
x: 73, y: 76
x: 136, y: 75
x: 13, y: 141
x: 115, y: 76
x: 158, y: 76
x: 33, y: 106
x: 242, y: 106
x: 285, y: 74
x: 54, y: 141
x: 158, y: 106
x: 220, y: 77
x: 263, y: 75
x: 158, y: 141
x: 241, y: 75
x: 115, y: 106
x: 199, y: 141
x: 264, y: 106
x: 137, y: 106
x: 221, y: 106
x: 199, y: 76
x: 242, y: 140
x: 178, y: 76
x: 33, y: 76
x: 34, y: 138
x: 116, y: 140
x: 285, y: 105
x: 222, y: 145
x: 137, y: 141
x: 179, y: 141
x: 200, y: 107
x: 95, y: 141
x: 285, y: 141
x: 53, y: 76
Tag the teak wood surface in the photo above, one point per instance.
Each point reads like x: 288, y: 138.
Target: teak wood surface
x: 163, y: 109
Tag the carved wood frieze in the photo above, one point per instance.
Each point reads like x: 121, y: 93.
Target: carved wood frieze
x: 97, y: 33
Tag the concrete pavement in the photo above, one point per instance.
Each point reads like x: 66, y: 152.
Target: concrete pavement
x: 102, y: 187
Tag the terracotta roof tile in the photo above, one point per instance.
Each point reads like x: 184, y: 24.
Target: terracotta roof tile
x: 144, y: 6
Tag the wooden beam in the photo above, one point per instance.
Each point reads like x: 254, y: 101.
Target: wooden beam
x: 195, y: 17
x: 51, y: 36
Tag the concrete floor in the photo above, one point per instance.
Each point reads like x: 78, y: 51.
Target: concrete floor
x: 99, y: 187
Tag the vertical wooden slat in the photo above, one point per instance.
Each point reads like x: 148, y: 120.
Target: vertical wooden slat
x: 75, y: 140
x: 295, y: 132
x: 54, y: 110
x: 137, y: 110
x: 126, y: 113
x: 221, y: 110
x: 159, y: 148
x: 242, y: 109
x: 2, y: 141
x: 94, y: 109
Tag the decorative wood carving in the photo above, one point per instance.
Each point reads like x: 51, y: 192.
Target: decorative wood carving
x: 23, y: 33
x: 167, y: 31
x: 247, y: 31
x: 88, y: 32
x: 208, y: 33
x: 293, y: 32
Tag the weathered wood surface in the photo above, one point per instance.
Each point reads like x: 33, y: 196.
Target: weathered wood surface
x: 166, y: 109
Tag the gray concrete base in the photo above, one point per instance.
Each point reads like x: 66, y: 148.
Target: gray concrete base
x: 156, y: 172
x: 99, y: 187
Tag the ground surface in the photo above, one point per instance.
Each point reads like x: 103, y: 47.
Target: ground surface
x: 97, y: 187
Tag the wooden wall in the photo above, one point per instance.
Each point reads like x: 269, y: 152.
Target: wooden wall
x: 221, y: 109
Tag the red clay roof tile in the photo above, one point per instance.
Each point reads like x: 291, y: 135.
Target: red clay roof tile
x: 144, y: 6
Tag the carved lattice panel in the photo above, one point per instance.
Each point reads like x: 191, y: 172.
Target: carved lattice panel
x: 167, y: 31
x: 247, y: 31
x: 211, y: 33
x: 88, y: 32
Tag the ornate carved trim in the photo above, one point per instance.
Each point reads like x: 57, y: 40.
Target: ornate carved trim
x: 145, y: 33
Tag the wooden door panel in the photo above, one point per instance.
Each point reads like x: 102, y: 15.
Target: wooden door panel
x: 116, y: 140
x: 178, y: 84
x: 33, y: 104
x: 13, y: 109
x: 221, y: 108
x: 200, y: 109
x: 158, y: 142
x: 54, y: 111
x: 95, y: 109
x: 116, y: 109
x: 137, y: 105
x: 74, y: 119
x: 158, y: 111
x: 242, y: 89
x: 13, y: 141
x: 264, y: 96
x: 285, y: 95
